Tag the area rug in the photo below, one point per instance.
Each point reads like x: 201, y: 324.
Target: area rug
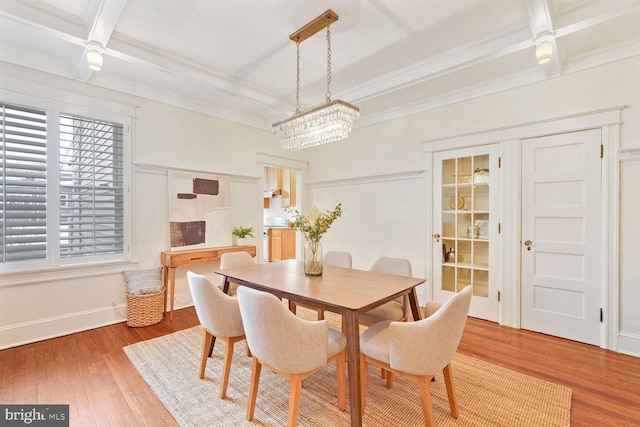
x: 488, y: 395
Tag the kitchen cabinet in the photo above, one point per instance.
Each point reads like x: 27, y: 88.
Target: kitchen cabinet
x: 466, y: 227
x: 282, y: 244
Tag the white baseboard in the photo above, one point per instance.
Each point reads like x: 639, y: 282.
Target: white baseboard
x: 629, y: 344
x: 57, y: 326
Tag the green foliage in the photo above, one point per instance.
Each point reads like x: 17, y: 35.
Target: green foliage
x: 242, y: 232
x: 314, y: 224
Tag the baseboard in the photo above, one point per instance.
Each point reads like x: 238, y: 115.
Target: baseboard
x: 57, y: 326
x: 629, y: 344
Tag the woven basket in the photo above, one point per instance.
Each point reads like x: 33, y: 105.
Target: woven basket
x: 145, y: 310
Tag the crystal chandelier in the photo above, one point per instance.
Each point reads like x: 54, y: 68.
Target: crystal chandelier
x: 328, y: 122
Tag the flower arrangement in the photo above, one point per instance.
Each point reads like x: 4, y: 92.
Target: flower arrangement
x: 315, y: 223
x: 313, y: 226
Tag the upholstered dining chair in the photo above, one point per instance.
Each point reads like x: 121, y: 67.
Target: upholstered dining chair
x: 418, y: 350
x: 336, y: 259
x: 289, y: 346
x: 232, y: 260
x: 397, y: 309
x: 219, y: 315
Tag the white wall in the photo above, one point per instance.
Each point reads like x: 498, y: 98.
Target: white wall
x: 347, y: 171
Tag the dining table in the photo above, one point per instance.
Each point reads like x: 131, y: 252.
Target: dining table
x: 346, y: 291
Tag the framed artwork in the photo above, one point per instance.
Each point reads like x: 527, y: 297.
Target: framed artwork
x: 482, y: 226
x: 199, y: 210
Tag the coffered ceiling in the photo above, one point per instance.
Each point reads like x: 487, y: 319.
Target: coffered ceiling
x: 234, y: 59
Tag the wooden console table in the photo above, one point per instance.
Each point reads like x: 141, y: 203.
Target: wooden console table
x: 172, y: 259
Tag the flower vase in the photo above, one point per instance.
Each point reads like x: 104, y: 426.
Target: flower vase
x: 313, y: 258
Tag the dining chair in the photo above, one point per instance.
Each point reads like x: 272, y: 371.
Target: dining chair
x: 336, y: 259
x: 418, y: 350
x: 232, y: 260
x: 289, y: 346
x: 397, y: 309
x: 219, y: 315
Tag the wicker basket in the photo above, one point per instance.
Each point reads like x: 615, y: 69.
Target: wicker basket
x: 145, y: 310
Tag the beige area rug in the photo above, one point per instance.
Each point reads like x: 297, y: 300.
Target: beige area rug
x: 488, y: 395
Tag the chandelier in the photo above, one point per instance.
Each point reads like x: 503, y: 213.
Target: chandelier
x: 328, y: 122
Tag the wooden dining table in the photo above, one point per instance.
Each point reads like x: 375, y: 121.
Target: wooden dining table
x: 345, y: 291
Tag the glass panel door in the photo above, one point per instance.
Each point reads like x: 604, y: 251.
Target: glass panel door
x: 465, y: 226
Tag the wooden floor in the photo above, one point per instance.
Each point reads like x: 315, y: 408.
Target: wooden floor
x: 90, y: 372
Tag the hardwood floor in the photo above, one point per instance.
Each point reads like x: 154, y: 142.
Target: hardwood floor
x: 90, y: 372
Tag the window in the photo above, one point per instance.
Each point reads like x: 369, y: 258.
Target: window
x: 23, y: 183
x: 75, y: 160
x: 91, y: 187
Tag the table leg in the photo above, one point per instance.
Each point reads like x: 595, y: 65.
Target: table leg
x: 165, y: 281
x: 352, y: 332
x: 172, y: 289
x: 415, y: 306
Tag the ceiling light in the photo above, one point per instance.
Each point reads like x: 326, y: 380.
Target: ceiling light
x: 94, y: 56
x: 544, y: 48
x: 328, y: 122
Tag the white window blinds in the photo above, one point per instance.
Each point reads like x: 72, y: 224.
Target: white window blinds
x: 23, y: 169
x: 91, y: 187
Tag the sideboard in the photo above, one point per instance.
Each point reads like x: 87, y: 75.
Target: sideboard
x: 170, y: 260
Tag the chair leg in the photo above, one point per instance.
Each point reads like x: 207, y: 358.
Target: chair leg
x: 389, y: 379
x: 256, y: 367
x: 448, y: 380
x: 424, y: 386
x: 226, y: 365
x: 207, y: 339
x: 294, y: 401
x: 320, y: 314
x: 363, y: 380
x: 341, y: 378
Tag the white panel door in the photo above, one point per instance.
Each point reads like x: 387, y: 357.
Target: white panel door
x: 561, y: 235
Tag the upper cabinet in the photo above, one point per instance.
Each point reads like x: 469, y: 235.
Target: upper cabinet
x: 466, y: 226
x: 280, y: 184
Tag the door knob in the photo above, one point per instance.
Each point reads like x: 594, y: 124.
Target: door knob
x: 528, y: 244
x: 437, y: 237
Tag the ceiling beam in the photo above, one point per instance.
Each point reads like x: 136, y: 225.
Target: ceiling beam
x: 541, y: 24
x: 106, y: 14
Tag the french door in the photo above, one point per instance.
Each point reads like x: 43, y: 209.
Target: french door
x: 466, y: 227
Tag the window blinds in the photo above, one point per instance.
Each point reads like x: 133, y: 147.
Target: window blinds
x: 91, y: 187
x: 23, y: 185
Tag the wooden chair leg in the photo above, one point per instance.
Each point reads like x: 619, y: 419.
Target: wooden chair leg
x: 294, y: 401
x: 389, y: 379
x: 424, y: 386
x: 226, y: 365
x: 341, y: 379
x: 448, y: 380
x: 256, y: 367
x: 207, y: 339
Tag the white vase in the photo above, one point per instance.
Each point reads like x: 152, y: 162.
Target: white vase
x: 241, y: 241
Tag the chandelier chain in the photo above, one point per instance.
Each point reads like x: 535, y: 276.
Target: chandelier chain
x: 297, y: 78
x: 328, y: 96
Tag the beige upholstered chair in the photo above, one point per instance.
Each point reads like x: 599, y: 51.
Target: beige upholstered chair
x: 336, y: 259
x: 289, y: 346
x: 231, y: 260
x: 418, y: 350
x: 393, y: 310
x: 219, y: 315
